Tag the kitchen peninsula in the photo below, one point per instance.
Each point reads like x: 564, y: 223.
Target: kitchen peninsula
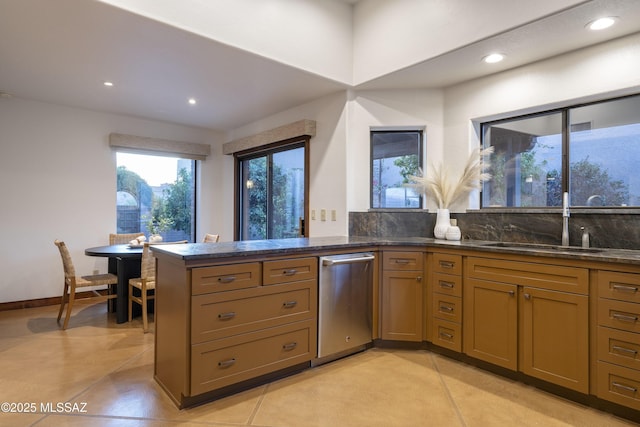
x: 222, y: 325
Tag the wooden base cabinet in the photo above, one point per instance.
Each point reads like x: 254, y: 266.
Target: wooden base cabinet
x: 618, y: 338
x: 555, y: 337
x: 529, y: 316
x: 221, y: 324
x: 491, y: 322
x: 402, y: 295
x: 445, y: 309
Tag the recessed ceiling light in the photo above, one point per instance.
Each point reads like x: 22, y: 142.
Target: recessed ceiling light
x: 493, y: 58
x: 108, y: 84
x: 192, y: 101
x: 602, y: 23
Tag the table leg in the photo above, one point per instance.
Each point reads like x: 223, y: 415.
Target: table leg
x: 127, y: 269
x: 113, y: 289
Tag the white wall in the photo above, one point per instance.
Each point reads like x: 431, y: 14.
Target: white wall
x: 59, y: 182
x: 328, y: 159
x: 313, y: 35
x: 388, y: 108
x: 58, y: 172
x: 598, y: 72
x: 391, y: 35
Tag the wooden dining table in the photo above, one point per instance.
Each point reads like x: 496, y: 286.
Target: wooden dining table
x: 124, y: 262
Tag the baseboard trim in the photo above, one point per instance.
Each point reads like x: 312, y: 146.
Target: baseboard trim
x: 42, y: 302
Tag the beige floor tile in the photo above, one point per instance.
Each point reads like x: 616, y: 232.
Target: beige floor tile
x: 132, y: 392
x: 19, y: 419
x: 485, y: 399
x: 376, y: 388
x: 109, y: 367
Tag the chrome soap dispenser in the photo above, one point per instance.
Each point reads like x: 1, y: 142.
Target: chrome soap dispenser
x: 585, y: 237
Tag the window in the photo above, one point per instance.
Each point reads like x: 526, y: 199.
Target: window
x: 156, y: 194
x: 394, y: 156
x: 591, y: 151
x: 272, y: 192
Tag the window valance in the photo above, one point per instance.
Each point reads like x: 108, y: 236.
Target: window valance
x: 163, y: 147
x: 293, y: 130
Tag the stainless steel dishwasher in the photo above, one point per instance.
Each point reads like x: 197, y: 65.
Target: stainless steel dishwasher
x: 344, y: 305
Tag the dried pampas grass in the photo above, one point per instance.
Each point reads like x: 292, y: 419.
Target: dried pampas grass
x: 447, y: 192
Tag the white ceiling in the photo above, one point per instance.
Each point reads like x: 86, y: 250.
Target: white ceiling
x: 60, y: 51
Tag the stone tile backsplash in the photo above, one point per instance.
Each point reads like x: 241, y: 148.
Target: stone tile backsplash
x: 606, y: 229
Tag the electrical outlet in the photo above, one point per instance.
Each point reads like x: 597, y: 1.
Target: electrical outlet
x: 333, y: 214
x: 313, y: 214
x: 323, y: 214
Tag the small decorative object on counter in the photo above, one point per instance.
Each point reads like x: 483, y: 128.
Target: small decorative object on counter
x: 585, y: 237
x: 443, y: 222
x: 453, y: 233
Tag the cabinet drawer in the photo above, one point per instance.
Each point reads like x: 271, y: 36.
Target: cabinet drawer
x: 619, y: 347
x: 619, y: 315
x: 447, y: 284
x: 447, y: 263
x: 402, y: 260
x: 289, y: 270
x: 266, y: 307
x: 618, y: 384
x: 620, y: 286
x: 447, y: 307
x: 223, y: 362
x: 225, y: 278
x: 447, y: 335
x: 545, y: 276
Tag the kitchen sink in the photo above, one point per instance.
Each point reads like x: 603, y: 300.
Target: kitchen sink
x: 544, y: 247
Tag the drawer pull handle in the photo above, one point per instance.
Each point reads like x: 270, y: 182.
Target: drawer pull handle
x: 446, y: 308
x: 512, y: 293
x: 226, y: 363
x: 227, y: 316
x: 447, y: 264
x: 289, y: 346
x: 289, y: 304
x: 625, y: 317
x: 402, y: 261
x: 624, y: 350
x: 446, y: 335
x: 624, y: 387
x: 527, y: 296
x: 447, y: 285
x: 624, y: 288
x: 419, y: 279
x: 290, y: 272
x: 226, y: 279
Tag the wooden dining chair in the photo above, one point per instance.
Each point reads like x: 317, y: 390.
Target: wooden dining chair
x: 211, y: 238
x: 73, y: 282
x: 146, y: 282
x: 122, y: 238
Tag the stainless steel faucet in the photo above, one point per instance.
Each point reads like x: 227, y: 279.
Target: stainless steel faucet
x: 565, y: 219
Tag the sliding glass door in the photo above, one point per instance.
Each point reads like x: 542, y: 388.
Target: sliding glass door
x: 272, y: 192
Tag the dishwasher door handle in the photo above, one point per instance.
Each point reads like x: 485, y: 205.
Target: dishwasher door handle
x: 327, y: 262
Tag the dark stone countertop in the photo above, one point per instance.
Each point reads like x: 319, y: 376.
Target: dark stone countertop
x: 200, y: 251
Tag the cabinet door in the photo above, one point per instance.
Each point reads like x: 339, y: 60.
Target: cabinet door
x: 555, y: 338
x: 402, y: 305
x: 490, y: 330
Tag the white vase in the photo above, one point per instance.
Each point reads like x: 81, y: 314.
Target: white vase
x: 443, y: 222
